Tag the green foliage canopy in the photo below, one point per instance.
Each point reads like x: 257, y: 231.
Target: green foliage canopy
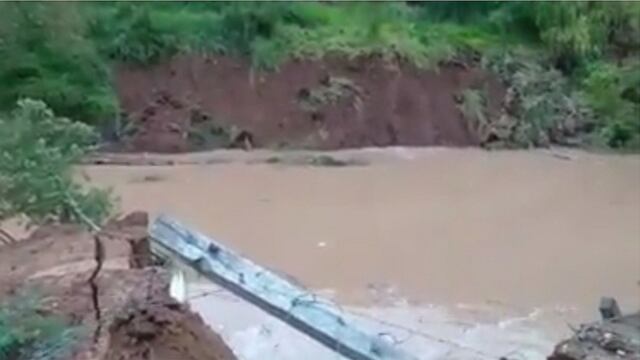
x: 37, y: 152
x: 45, y: 55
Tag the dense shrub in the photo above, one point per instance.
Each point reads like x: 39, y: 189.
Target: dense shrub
x: 613, y: 92
x: 455, y: 11
x: 576, y: 32
x: 269, y: 33
x: 135, y: 38
x: 44, y: 55
x: 539, y: 108
x: 37, y: 152
x: 27, y: 334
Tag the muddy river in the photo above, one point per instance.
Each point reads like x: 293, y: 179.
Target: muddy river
x: 535, y: 234
x: 430, y: 225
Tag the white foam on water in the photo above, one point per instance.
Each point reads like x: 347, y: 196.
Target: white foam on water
x: 429, y: 332
x: 178, y: 286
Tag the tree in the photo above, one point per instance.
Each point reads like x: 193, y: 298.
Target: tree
x: 45, y: 54
x: 37, y: 152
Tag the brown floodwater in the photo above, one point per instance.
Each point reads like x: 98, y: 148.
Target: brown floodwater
x: 523, y: 228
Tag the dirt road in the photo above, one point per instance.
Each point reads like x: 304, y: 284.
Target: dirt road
x: 433, y: 225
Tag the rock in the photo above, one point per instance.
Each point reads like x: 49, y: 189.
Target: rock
x: 140, y: 256
x: 136, y: 218
x: 609, y: 308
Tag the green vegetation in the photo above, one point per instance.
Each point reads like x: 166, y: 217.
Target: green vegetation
x: 44, y: 55
x: 539, y: 107
x: 29, y: 334
x: 584, y: 51
x: 37, y: 151
x: 613, y: 92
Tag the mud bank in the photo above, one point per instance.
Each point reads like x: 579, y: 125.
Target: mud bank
x: 328, y: 104
x: 481, y: 332
x: 160, y: 328
x: 135, y: 318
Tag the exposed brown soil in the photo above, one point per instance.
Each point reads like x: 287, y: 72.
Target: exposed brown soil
x: 57, y: 261
x: 163, y: 329
x: 328, y: 104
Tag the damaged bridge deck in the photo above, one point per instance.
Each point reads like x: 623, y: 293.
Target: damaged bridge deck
x: 295, y: 306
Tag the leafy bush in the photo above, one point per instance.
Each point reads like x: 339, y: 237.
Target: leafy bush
x: 37, y: 151
x: 569, y: 31
x: 612, y: 92
x: 269, y: 33
x: 581, y: 37
x: 244, y: 23
x: 135, y: 37
x: 575, y: 32
x: 539, y: 108
x: 28, y: 334
x: 44, y: 55
x: 459, y: 12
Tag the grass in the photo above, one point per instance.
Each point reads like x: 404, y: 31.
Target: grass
x: 44, y: 56
x: 271, y: 33
x: 28, y: 334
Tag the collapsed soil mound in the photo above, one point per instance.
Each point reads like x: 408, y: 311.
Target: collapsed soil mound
x: 163, y: 329
x: 137, y: 319
x: 194, y: 102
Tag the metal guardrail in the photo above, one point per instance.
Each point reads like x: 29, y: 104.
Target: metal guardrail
x: 295, y: 306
